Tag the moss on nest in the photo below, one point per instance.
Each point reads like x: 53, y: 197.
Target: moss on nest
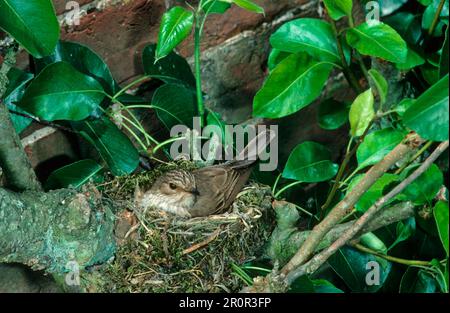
x: 172, y: 254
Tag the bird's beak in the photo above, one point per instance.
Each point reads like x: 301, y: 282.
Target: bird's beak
x: 195, y: 192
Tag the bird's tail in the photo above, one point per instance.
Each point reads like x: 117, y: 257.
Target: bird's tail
x: 250, y: 154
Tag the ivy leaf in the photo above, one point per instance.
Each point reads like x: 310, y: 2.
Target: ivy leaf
x: 310, y: 162
x: 309, y: 35
x: 32, y: 24
x: 378, y: 40
x: 176, y: 105
x: 113, y: 146
x: 332, y: 114
x: 441, y: 217
x: 176, y: 24
x: 428, y: 115
x: 380, y: 84
x: 73, y: 175
x: 338, y: 9
x: 171, y: 69
x: 293, y: 84
x: 377, y: 145
x: 60, y: 92
x: 361, y: 113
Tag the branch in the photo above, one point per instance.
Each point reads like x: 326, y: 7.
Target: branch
x: 13, y: 160
x: 350, y: 233
x: 344, y: 206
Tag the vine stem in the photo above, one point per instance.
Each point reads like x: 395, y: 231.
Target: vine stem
x: 362, y: 248
x: 436, y: 18
x: 286, y: 188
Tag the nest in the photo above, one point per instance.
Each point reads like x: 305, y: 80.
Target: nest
x: 171, y: 254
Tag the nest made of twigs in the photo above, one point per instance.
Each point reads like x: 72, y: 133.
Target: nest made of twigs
x: 171, y: 254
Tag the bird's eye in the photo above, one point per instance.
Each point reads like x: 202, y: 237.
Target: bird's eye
x: 172, y: 186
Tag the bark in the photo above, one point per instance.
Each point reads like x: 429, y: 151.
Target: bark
x: 46, y: 231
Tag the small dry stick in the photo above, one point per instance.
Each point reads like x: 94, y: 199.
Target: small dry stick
x: 312, y: 265
x: 203, y: 243
x: 411, y: 142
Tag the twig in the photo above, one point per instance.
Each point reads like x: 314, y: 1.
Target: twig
x: 203, y: 243
x: 312, y: 265
x: 345, y: 205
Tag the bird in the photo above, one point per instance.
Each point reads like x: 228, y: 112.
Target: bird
x: 205, y: 191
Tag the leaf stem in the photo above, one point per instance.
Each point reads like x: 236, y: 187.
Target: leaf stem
x: 198, y: 71
x: 274, y: 187
x: 286, y: 188
x: 362, y: 248
x: 130, y: 85
x: 414, y: 157
x: 436, y: 18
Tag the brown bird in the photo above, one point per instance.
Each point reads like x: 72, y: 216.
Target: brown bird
x: 205, y: 191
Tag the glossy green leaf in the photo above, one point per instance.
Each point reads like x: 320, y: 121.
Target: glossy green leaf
x: 32, y: 24
x: 374, y: 193
x: 423, y: 189
x: 293, y: 84
x: 310, y: 162
x: 379, y: 40
x: 413, y: 59
x: 407, y: 25
x: 14, y: 92
x: 177, y: 105
x: 389, y: 6
x: 372, y: 241
x: 309, y: 35
x: 380, y: 83
x: 377, y: 145
x: 361, y: 113
x: 275, y: 57
x: 403, y: 106
x: 73, y: 175
x: 428, y: 116
x: 429, y: 14
x: 113, y: 146
x: 338, y: 9
x: 215, y: 6
x: 440, y: 213
x: 417, y: 281
x: 176, y: 24
x: 172, y: 69
x: 60, y: 92
x: 84, y: 60
x: 324, y: 286
x: 248, y: 5
x: 332, y: 114
x: 443, y: 62
x: 354, y: 268
x: 404, y: 230
x: 430, y: 73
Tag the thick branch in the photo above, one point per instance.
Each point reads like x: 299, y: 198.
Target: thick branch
x: 48, y: 230
x: 350, y: 233
x: 13, y: 159
x: 345, y: 205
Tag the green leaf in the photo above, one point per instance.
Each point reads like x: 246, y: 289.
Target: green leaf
x: 361, y: 113
x: 443, y: 62
x: 389, y: 6
x: 84, y: 60
x: 275, y: 57
x: 248, y: 5
x: 113, y: 146
x: 424, y: 188
x: 177, y: 103
x: 441, y: 217
x: 428, y: 116
x: 380, y: 83
x: 176, y: 24
x: 309, y: 35
x: 60, y: 92
x: 14, y: 92
x: 403, y: 106
x: 413, y: 59
x: 293, y: 84
x: 372, y: 241
x: 172, y: 69
x: 377, y: 145
x: 214, y: 118
x: 324, y: 286
x: 338, y: 9
x: 404, y: 231
x: 417, y: 281
x: 32, y: 24
x: 374, y: 193
x: 215, y: 6
x: 73, y: 175
x: 310, y: 162
x: 429, y: 14
x: 378, y: 40
x: 332, y: 114
x: 351, y: 266
x: 407, y: 25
